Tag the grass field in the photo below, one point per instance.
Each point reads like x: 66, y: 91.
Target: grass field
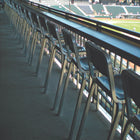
x: 131, y: 24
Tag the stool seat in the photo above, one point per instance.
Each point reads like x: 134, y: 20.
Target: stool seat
x: 83, y: 62
x: 103, y: 81
x: 131, y: 85
x: 136, y: 121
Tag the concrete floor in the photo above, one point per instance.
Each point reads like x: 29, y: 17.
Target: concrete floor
x: 25, y: 112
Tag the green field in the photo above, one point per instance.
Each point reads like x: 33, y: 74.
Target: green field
x: 131, y: 24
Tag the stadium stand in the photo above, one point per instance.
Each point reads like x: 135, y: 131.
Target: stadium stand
x: 99, y: 9
x: 59, y: 7
x: 74, y: 9
x: 115, y: 10
x: 86, y: 9
x: 94, y: 10
x: 133, y: 9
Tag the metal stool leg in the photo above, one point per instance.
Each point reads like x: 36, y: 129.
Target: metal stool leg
x: 60, y: 82
x: 23, y: 29
x: 64, y: 90
x: 78, y: 104
x: 78, y: 79
x: 27, y: 40
x: 126, y: 130
x: 33, y: 49
x: 115, y: 122
x: 43, y: 44
x: 25, y: 36
x: 49, y: 68
x: 85, y: 112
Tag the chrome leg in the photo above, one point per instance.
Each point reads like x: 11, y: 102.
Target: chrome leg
x: 78, y: 104
x: 126, y: 130
x: 33, y: 50
x: 64, y: 90
x: 31, y: 47
x: 28, y: 40
x: 43, y: 44
x: 60, y: 82
x: 49, y: 69
x: 85, y: 113
x: 115, y: 122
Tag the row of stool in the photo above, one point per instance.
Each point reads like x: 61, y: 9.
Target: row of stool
x: 91, y: 61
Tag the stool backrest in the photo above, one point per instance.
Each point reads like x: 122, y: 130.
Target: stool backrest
x: 34, y: 19
x: 27, y: 16
x: 54, y: 35
x: 99, y: 58
x: 102, y: 62
x: 42, y: 23
x: 71, y: 46
x: 53, y: 30
x: 69, y: 40
x: 131, y: 86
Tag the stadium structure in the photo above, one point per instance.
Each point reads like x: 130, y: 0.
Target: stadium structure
x: 97, y: 8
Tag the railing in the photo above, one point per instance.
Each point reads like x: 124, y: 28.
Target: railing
x: 115, y: 31
x: 121, y: 44
x: 94, y: 24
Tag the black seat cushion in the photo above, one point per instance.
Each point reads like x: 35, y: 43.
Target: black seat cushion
x: 104, y: 84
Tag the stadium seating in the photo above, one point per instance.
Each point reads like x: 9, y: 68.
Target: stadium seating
x: 98, y: 8
x: 74, y: 9
x: 86, y: 9
x: 59, y: 7
x: 133, y: 10
x: 115, y: 10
